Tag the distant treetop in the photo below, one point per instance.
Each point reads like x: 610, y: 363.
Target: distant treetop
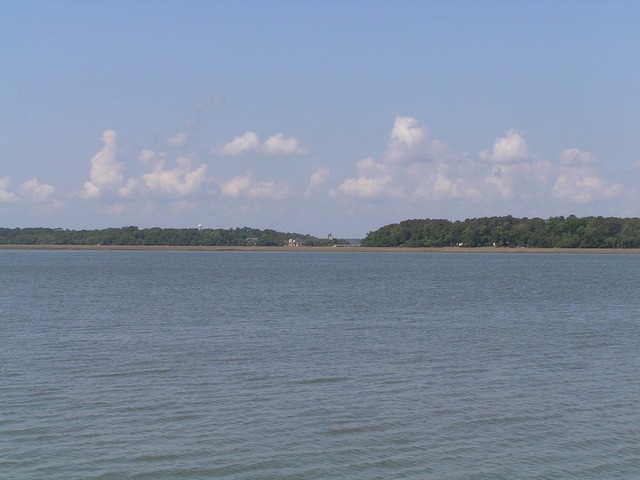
x: 508, y: 231
x: 132, y: 235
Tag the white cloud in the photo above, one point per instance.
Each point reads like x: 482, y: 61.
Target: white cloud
x: 441, y: 181
x: 250, y: 143
x: 5, y: 195
x: 146, y: 156
x: 409, y: 144
x: 367, y: 187
x: 129, y: 189
x: 434, y: 181
x: 36, y: 192
x: 572, y: 157
x: 373, y: 180
x: 508, y: 149
x: 524, y: 181
x: 369, y: 165
x: 408, y: 140
x: 246, y: 186
x: 236, y: 185
x: 245, y: 143
x: 578, y: 181
x: 508, y: 175
x: 179, y: 140
x: 105, y: 170
x: 582, y: 187
x: 180, y: 181
x: 413, y: 172
x: 502, y: 178
x: 278, y: 145
x: 89, y: 190
x: 317, y: 178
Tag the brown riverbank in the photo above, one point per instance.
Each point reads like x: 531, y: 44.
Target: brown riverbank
x: 496, y: 250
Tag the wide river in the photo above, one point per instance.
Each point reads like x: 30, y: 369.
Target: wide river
x: 315, y: 365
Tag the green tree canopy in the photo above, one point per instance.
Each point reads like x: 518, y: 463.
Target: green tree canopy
x: 554, y: 232
x: 132, y: 235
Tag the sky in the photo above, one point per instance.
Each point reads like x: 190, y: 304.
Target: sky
x: 316, y: 116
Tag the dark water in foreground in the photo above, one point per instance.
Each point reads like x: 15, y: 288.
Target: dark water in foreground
x: 270, y: 365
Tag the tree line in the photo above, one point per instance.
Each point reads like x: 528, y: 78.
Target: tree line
x: 156, y: 236
x: 507, y: 231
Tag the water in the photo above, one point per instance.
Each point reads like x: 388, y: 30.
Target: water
x: 272, y: 365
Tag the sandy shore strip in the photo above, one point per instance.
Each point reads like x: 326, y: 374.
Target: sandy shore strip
x: 497, y: 250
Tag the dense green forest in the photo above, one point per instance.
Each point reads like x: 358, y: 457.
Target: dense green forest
x: 159, y: 237
x: 508, y: 231
x: 555, y: 232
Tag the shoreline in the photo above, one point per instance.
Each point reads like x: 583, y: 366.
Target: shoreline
x: 469, y: 250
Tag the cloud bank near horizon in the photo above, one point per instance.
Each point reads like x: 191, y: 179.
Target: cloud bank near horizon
x: 415, y: 168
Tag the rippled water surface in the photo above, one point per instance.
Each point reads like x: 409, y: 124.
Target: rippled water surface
x: 271, y: 365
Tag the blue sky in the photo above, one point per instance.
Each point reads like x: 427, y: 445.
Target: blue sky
x: 316, y: 117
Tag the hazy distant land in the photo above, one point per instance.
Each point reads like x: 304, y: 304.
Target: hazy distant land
x: 489, y: 234
x: 335, y: 249
x: 133, y: 236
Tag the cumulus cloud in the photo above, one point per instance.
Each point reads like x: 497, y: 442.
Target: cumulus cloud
x: 246, y: 186
x: 279, y: 145
x: 5, y: 195
x: 179, y: 140
x: 36, y: 192
x: 582, y: 187
x: 439, y: 181
x: 105, y: 170
x: 180, y: 181
x: 366, y: 187
x: 129, y: 189
x: 245, y: 143
x: 507, y: 174
x: 502, y: 177
x: 236, y: 186
x: 408, y: 147
x: 369, y: 164
x: 511, y: 148
x: 407, y: 141
x: 317, y: 178
x: 413, y: 167
x: 250, y: 143
x: 410, y: 142
x: 524, y: 181
x: 146, y: 156
x: 373, y: 180
x: 511, y: 171
x: 89, y: 190
x: 572, y: 157
x: 578, y: 181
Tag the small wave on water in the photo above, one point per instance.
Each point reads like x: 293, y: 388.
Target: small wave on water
x: 321, y: 380
x: 131, y: 373
x: 391, y: 374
